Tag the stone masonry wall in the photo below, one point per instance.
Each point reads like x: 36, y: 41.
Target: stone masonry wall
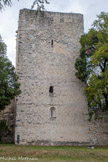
x: 52, y: 108
x: 99, y: 129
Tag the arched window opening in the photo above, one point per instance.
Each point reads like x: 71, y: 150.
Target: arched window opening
x: 53, y: 112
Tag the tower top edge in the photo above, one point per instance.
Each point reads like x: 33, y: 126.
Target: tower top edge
x: 50, y: 12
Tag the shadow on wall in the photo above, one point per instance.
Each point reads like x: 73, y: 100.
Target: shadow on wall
x: 7, y: 118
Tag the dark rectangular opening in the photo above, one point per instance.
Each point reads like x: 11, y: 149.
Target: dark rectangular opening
x: 52, y: 42
x: 51, y: 89
x: 18, y: 139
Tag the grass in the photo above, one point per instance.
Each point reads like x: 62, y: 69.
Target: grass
x: 52, y: 153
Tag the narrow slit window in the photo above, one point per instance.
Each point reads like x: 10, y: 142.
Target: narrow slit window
x: 51, y: 89
x: 52, y: 42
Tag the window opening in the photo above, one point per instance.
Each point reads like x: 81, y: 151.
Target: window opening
x: 53, y: 112
x: 18, y: 139
x: 52, y: 42
x: 51, y: 89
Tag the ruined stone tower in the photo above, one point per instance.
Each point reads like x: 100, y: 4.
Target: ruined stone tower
x: 52, y: 108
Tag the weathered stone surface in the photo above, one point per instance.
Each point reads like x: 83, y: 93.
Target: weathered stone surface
x: 99, y: 129
x: 47, y: 47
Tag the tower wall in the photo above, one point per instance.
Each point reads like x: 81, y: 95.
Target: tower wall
x: 52, y: 108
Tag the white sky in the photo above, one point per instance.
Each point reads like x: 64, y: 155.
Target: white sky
x: 9, y: 17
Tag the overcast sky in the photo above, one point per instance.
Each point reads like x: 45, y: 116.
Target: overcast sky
x: 9, y: 17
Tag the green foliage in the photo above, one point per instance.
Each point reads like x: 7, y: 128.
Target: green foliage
x: 95, y: 47
x: 9, y: 87
x: 2, y: 47
x: 90, y: 116
x: 80, y: 65
x: 4, y: 3
x: 39, y: 3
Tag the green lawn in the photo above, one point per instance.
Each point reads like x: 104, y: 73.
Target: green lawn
x: 52, y: 154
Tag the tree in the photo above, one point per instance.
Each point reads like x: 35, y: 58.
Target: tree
x: 39, y: 3
x: 95, y: 51
x: 2, y: 47
x: 80, y: 63
x: 9, y: 87
x: 4, y: 3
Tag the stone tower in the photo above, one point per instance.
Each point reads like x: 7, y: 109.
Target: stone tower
x: 52, y: 109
